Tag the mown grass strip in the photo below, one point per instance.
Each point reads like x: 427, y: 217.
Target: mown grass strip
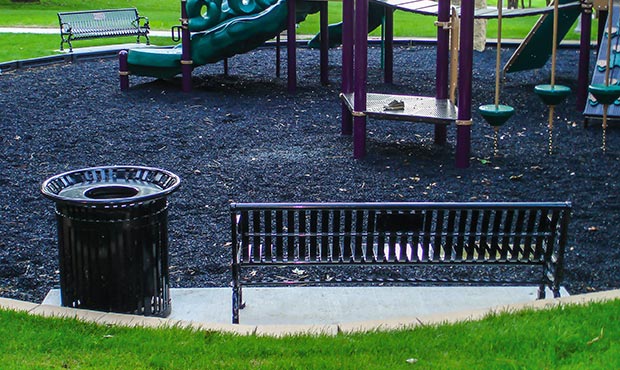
x: 571, y: 337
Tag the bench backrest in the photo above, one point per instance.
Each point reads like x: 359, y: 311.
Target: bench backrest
x: 110, y: 19
x: 318, y: 233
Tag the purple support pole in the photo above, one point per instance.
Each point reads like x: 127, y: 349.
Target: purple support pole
x: 123, y: 70
x: 360, y: 78
x: 463, y: 123
x: 291, y: 51
x: 347, y: 62
x: 186, y: 53
x: 443, y: 57
x: 602, y: 16
x: 324, y: 43
x: 278, y: 56
x: 584, y: 54
x: 388, y: 56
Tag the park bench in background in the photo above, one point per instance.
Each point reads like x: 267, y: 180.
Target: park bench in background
x: 90, y: 24
x: 350, y: 238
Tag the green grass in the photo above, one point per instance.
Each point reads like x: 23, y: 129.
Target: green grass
x: 164, y: 14
x: 568, y: 337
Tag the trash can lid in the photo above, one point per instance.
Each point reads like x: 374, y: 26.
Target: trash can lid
x: 110, y: 185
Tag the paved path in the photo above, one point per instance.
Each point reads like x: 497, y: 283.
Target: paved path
x: 56, y: 31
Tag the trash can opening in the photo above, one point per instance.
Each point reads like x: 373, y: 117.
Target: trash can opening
x: 111, y: 192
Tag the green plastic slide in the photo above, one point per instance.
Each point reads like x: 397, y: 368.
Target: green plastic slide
x: 375, y: 19
x: 535, y: 50
x: 227, y: 28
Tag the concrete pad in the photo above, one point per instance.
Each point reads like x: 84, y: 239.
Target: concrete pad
x: 118, y: 319
x: 333, y: 305
x: 15, y: 305
x: 66, y: 312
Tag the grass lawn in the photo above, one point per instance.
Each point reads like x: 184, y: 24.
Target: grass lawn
x: 568, y: 337
x: 165, y: 14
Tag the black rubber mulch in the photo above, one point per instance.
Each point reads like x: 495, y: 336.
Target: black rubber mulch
x: 243, y: 138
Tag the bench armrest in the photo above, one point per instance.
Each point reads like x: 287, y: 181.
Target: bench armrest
x: 145, y: 20
x: 65, y: 28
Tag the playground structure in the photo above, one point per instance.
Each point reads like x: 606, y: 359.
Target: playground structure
x: 236, y: 27
x: 226, y: 28
x: 359, y: 104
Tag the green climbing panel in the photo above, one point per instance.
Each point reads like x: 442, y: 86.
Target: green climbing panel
x: 594, y: 107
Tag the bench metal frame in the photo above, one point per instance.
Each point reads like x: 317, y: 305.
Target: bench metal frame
x: 90, y: 24
x: 413, y: 235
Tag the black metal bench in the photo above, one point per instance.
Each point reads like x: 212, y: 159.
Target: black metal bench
x: 348, y: 237
x: 90, y: 24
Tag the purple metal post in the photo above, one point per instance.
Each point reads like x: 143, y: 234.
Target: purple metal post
x: 291, y: 51
x: 443, y: 57
x: 388, y: 56
x: 324, y: 43
x: 360, y: 78
x: 443, y: 50
x: 347, y: 62
x: 463, y: 123
x: 186, y: 53
x: 584, y: 54
x: 123, y: 70
x: 278, y: 56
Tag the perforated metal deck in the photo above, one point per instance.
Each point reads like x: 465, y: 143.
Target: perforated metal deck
x: 417, y: 108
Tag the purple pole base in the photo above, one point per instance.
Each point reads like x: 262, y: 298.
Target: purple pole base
x: 463, y: 146
x: 359, y: 137
x: 186, y: 77
x: 347, y: 121
x: 441, y: 132
x: 123, y: 70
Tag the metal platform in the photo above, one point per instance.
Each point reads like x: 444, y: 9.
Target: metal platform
x: 417, y: 108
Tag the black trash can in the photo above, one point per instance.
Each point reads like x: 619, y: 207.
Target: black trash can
x: 113, y: 238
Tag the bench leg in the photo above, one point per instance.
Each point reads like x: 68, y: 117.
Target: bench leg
x: 237, y: 293
x: 123, y: 70
x: 235, y: 304
x: 541, y: 291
